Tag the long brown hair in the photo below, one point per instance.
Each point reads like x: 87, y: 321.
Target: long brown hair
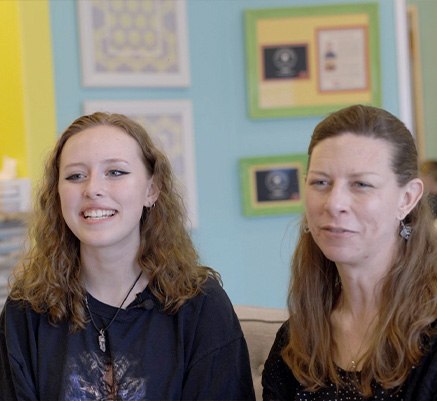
x: 408, y: 303
x: 49, y: 275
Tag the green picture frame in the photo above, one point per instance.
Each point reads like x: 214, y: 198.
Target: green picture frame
x: 272, y: 185
x: 299, y: 59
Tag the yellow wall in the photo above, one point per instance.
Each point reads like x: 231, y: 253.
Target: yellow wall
x: 27, y: 105
x: 12, y: 127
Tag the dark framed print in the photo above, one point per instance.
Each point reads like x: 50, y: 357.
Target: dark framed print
x: 285, y: 62
x: 273, y: 184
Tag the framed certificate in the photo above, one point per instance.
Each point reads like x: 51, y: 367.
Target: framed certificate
x: 312, y: 60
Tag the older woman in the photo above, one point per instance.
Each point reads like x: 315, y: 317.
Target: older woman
x: 363, y: 291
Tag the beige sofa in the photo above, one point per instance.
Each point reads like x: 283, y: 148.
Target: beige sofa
x: 259, y: 327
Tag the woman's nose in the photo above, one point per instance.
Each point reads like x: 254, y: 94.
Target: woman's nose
x: 337, y: 199
x: 93, y: 187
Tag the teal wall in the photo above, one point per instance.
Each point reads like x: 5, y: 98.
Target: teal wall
x: 252, y: 254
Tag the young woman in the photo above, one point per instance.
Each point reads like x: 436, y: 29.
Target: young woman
x: 363, y: 291
x: 110, y: 302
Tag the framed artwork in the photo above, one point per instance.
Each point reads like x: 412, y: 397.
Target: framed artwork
x: 133, y: 43
x: 273, y: 184
x: 305, y: 61
x: 169, y: 124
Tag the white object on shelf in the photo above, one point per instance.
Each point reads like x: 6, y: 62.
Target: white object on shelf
x: 15, y: 195
x: 9, y: 168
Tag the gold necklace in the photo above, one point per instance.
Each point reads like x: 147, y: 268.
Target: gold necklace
x: 357, y: 356
x: 101, y: 338
x: 353, y: 365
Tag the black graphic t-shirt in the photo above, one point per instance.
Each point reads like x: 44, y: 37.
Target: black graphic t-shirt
x: 197, y: 354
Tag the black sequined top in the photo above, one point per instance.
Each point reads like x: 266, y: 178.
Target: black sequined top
x: 279, y: 384
x: 349, y: 392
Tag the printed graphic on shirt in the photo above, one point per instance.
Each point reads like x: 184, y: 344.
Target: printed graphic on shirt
x: 92, y: 377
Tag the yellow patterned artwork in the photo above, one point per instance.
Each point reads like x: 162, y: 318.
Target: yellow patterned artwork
x: 134, y: 42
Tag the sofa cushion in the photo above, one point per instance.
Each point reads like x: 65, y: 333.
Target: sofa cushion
x: 259, y: 326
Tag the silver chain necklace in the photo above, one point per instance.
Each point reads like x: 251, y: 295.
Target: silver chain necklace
x: 101, y: 338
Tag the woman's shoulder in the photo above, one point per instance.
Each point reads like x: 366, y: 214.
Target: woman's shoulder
x: 14, y: 307
x: 208, y: 293
x: 212, y: 308
x: 420, y: 385
x: 282, y: 336
x: 277, y: 378
x: 212, y: 287
x: 18, y: 314
x: 211, y: 296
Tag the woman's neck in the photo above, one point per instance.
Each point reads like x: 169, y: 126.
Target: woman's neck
x: 360, y: 290
x: 354, y: 317
x: 108, y: 277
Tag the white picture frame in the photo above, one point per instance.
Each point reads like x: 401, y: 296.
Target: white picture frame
x: 170, y: 125
x: 136, y: 43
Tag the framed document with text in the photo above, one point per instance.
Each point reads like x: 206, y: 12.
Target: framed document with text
x: 312, y: 60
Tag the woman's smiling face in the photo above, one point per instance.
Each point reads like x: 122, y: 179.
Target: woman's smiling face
x: 103, y: 187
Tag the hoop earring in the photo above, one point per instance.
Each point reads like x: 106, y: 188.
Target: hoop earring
x: 306, y: 229
x: 405, y: 231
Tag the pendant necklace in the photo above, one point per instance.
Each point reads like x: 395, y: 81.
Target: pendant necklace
x: 101, y: 338
x: 359, y: 354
